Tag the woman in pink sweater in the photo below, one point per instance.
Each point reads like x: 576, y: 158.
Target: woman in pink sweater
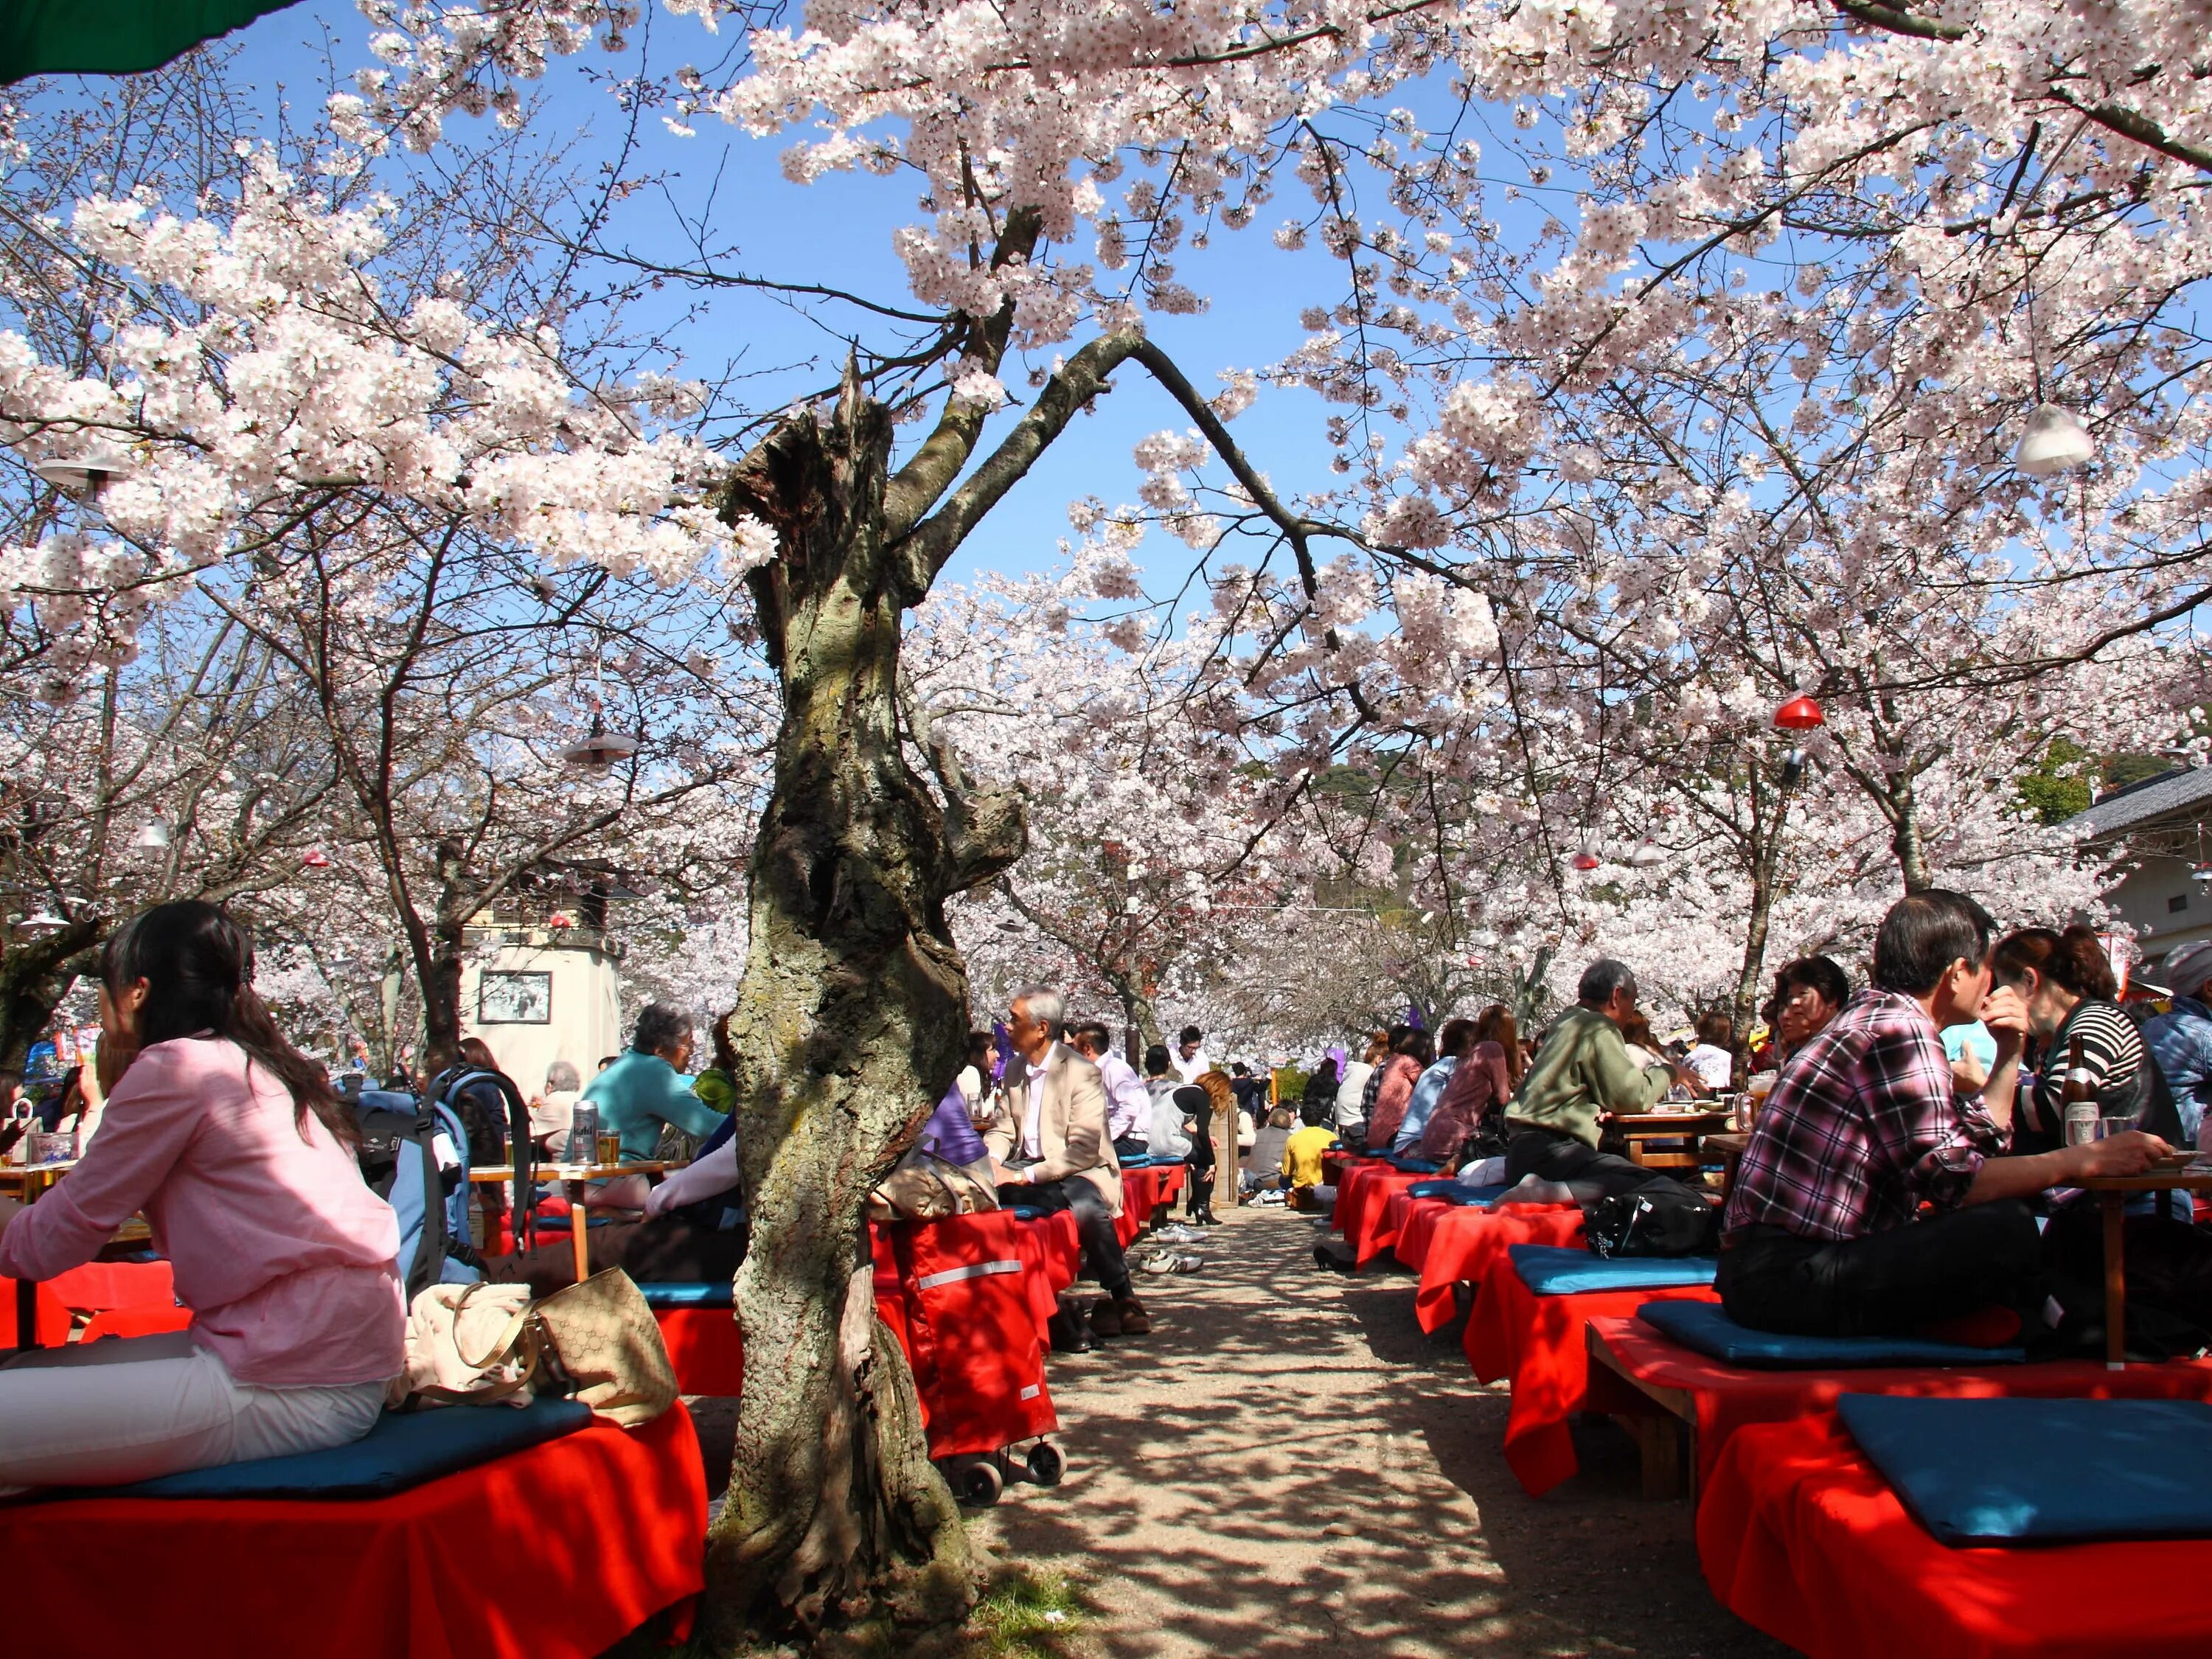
x: 233, y: 1147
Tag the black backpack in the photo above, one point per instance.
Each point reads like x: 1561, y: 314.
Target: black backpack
x: 1662, y: 1218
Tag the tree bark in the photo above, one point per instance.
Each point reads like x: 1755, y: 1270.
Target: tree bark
x: 35, y: 974
x: 850, y: 1022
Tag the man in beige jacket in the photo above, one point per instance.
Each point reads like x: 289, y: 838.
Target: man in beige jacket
x: 1047, y: 1141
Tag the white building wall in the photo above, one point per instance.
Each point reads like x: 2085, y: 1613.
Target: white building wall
x: 585, y: 1011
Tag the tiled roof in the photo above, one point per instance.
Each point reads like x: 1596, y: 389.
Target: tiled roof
x: 2154, y: 798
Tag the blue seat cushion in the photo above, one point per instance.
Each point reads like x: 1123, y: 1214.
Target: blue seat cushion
x: 716, y: 1294
x: 1414, y: 1165
x: 1454, y: 1192
x: 2009, y: 1471
x: 1026, y: 1212
x: 404, y: 1450
x: 1143, y: 1161
x: 1549, y: 1271
x: 559, y: 1223
x: 1706, y: 1326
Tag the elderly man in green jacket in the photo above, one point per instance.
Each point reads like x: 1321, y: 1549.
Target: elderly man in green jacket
x: 1581, y: 1077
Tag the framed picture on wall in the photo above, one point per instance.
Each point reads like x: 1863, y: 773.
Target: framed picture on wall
x: 506, y: 998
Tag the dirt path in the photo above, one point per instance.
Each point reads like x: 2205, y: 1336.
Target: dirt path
x: 1288, y: 1459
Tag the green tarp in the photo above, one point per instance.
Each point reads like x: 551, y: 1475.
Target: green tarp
x: 111, y: 37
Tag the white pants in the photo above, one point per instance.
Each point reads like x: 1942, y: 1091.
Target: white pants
x: 128, y: 1408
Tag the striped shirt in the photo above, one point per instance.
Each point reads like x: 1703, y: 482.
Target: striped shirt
x: 2112, y: 1051
x: 1863, y: 1127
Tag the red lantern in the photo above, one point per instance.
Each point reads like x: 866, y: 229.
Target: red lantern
x: 318, y: 860
x: 1800, y: 713
x: 1585, y: 859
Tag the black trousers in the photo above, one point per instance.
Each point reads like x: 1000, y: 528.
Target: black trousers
x: 1889, y: 1283
x: 1589, y: 1174
x: 1132, y: 1146
x: 1197, y: 1185
x: 1094, y: 1225
x: 667, y: 1250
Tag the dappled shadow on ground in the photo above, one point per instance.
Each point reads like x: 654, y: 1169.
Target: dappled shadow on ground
x: 1288, y: 1459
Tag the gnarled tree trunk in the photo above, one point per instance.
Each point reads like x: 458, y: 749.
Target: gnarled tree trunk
x: 851, y: 1019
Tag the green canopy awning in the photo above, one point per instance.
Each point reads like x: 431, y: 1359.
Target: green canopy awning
x: 111, y: 37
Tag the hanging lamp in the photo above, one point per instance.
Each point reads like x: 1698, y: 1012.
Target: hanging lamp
x: 1585, y: 860
x: 316, y: 860
x: 1800, y: 713
x: 153, y: 837
x: 1646, y: 855
x: 2053, y: 441
x: 85, y: 475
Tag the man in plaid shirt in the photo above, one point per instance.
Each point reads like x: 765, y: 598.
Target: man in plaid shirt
x: 1823, y: 1234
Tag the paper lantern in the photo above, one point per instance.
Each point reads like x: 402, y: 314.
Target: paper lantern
x: 1800, y: 713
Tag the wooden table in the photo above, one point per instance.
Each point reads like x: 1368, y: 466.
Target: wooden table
x: 1637, y: 1127
x: 1728, y: 1145
x: 31, y: 1179
x: 575, y: 1178
x: 2113, y: 1193
x: 1666, y: 1436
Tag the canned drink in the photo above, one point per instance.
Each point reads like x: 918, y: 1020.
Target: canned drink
x: 583, y: 1133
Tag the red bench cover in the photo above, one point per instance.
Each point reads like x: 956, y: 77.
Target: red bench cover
x: 1800, y: 1536
x: 706, y: 1347
x: 1411, y: 1222
x: 1370, y: 1230
x: 1464, y: 1240
x: 1538, y: 1342
x: 1052, y: 1251
x: 1728, y: 1397
x: 1144, y: 1190
x: 557, y: 1551
x: 1353, y: 1176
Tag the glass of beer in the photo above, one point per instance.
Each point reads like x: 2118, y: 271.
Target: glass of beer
x: 610, y: 1148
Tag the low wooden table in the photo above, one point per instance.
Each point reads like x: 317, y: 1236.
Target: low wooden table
x: 1637, y: 1127
x: 1728, y: 1145
x: 575, y: 1178
x: 2112, y: 1194
x: 1666, y: 1435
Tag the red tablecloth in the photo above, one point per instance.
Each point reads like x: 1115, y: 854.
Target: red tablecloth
x: 1799, y: 1536
x: 1464, y: 1241
x: 1727, y: 1397
x: 1538, y: 1342
x: 554, y: 1553
x: 1142, y: 1190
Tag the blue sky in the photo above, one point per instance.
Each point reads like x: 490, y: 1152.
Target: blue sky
x: 838, y: 231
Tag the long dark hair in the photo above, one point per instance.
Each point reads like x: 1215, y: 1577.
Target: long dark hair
x: 197, y: 964
x: 2074, y: 959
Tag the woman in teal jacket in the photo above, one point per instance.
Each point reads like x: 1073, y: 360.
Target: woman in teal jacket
x: 646, y: 1087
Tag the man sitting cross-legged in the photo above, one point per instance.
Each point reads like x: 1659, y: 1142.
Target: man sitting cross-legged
x: 1048, y: 1136
x: 1823, y: 1234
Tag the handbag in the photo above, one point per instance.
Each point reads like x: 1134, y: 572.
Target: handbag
x: 923, y: 1187
x: 489, y: 1344
x: 468, y: 1345
x: 603, y: 1338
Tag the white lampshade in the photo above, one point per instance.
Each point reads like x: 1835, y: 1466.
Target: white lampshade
x: 1646, y: 855
x: 87, y: 474
x: 153, y: 837
x: 37, y: 926
x: 2055, y: 441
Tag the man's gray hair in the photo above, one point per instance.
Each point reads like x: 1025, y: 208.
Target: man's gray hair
x: 1602, y: 979
x: 1045, y: 1004
x: 562, y: 1075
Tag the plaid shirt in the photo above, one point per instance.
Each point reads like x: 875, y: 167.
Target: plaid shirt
x: 1863, y: 1127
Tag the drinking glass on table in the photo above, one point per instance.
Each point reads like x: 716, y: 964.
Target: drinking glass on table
x: 610, y: 1148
